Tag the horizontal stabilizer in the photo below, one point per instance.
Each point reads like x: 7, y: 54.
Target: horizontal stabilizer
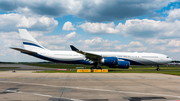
x: 23, y: 50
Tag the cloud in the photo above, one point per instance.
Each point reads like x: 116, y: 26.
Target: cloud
x: 173, y: 15
x: 11, y: 39
x: 99, y: 28
x: 139, y: 49
x: 97, y: 43
x: 5, y: 5
x: 91, y: 10
x: 12, y: 21
x: 137, y: 28
x: 174, y: 43
x: 68, y: 26
x: 135, y: 44
x: 141, y: 28
x: 154, y: 15
x: 118, y: 9
x: 71, y: 35
x: 156, y: 41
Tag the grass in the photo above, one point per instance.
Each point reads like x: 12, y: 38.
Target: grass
x: 135, y: 69
x: 70, y: 66
x: 163, y: 72
x: 64, y: 66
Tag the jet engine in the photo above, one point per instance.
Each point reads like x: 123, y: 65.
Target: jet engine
x: 123, y: 64
x: 113, y: 62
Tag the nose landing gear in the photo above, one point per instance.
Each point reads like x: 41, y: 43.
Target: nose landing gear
x: 96, y: 66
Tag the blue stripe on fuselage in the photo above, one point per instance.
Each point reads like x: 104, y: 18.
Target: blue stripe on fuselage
x: 60, y: 61
x: 32, y: 44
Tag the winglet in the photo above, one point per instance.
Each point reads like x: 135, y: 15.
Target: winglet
x: 74, y: 48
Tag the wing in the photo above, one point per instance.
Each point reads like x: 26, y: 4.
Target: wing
x: 90, y: 56
x: 23, y: 50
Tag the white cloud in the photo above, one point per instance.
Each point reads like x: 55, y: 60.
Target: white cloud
x: 135, y: 44
x: 139, y: 49
x: 173, y: 15
x: 12, y: 21
x: 144, y: 28
x: 98, y: 43
x: 175, y: 51
x: 99, y: 28
x: 156, y: 41
x: 71, y: 35
x: 174, y: 43
x: 9, y: 39
x: 68, y: 26
x: 36, y: 34
x: 160, y: 47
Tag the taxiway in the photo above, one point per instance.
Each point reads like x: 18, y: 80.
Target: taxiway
x: 88, y: 86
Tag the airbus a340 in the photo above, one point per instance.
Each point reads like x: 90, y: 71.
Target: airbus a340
x: 76, y: 56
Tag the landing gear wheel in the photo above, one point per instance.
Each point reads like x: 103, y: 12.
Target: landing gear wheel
x: 158, y: 69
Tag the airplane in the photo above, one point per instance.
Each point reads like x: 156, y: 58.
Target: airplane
x: 97, y: 59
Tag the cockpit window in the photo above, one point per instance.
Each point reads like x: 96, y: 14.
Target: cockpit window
x: 167, y: 57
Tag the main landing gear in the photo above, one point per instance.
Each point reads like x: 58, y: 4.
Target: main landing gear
x: 96, y: 66
x: 158, y: 69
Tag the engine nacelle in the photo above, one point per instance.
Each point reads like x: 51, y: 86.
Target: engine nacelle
x: 110, y: 61
x: 123, y: 64
x: 113, y: 62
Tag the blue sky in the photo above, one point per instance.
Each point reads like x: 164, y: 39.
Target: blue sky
x: 95, y: 25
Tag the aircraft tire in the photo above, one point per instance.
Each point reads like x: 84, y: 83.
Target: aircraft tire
x: 158, y: 69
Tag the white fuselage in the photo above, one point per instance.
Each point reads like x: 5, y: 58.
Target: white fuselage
x: 133, y: 57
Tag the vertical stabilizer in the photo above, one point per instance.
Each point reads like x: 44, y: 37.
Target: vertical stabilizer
x: 28, y: 41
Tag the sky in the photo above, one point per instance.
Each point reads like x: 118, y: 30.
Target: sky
x: 91, y: 25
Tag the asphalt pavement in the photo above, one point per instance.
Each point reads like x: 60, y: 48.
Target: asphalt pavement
x: 88, y: 86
